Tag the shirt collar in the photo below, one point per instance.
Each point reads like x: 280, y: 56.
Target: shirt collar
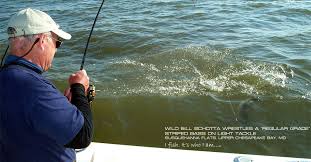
x: 11, y: 59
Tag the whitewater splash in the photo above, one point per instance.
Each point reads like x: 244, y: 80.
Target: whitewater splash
x: 199, y: 71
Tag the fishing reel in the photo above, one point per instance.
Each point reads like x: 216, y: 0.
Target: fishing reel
x: 91, y: 93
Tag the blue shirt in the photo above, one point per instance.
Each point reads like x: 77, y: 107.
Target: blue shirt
x: 36, y: 120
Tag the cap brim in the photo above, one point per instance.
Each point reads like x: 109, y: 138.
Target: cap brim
x: 62, y: 34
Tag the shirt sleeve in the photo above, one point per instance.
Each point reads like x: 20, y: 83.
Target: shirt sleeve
x: 79, y: 99
x: 54, y: 116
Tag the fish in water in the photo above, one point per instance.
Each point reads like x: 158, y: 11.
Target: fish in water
x: 245, y: 108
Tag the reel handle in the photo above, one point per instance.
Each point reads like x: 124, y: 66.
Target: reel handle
x: 91, y: 93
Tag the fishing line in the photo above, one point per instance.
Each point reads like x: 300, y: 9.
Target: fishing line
x: 234, y: 114
x: 231, y: 106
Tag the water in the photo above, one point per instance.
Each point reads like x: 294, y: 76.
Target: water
x: 160, y: 63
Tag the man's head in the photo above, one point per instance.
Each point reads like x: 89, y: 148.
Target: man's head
x: 30, y: 27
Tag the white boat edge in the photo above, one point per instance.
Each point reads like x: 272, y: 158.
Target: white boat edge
x: 104, y: 152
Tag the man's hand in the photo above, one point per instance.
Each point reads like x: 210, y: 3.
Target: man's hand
x: 79, y: 77
x: 67, y: 94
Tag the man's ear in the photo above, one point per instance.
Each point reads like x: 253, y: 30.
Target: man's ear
x: 42, y: 41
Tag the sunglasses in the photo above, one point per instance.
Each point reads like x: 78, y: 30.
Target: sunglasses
x: 58, y: 42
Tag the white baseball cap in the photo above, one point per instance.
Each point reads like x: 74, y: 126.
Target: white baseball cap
x: 31, y: 21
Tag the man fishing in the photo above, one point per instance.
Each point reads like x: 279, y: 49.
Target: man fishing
x: 37, y: 122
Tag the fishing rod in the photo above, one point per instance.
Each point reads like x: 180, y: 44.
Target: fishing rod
x: 91, y: 90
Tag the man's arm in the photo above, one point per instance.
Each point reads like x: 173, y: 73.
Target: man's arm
x: 79, y: 99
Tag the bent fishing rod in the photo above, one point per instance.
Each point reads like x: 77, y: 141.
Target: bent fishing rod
x: 91, y: 90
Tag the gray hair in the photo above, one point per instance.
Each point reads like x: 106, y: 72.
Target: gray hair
x: 21, y: 41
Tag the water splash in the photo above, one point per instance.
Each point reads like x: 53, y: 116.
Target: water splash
x: 198, y: 71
